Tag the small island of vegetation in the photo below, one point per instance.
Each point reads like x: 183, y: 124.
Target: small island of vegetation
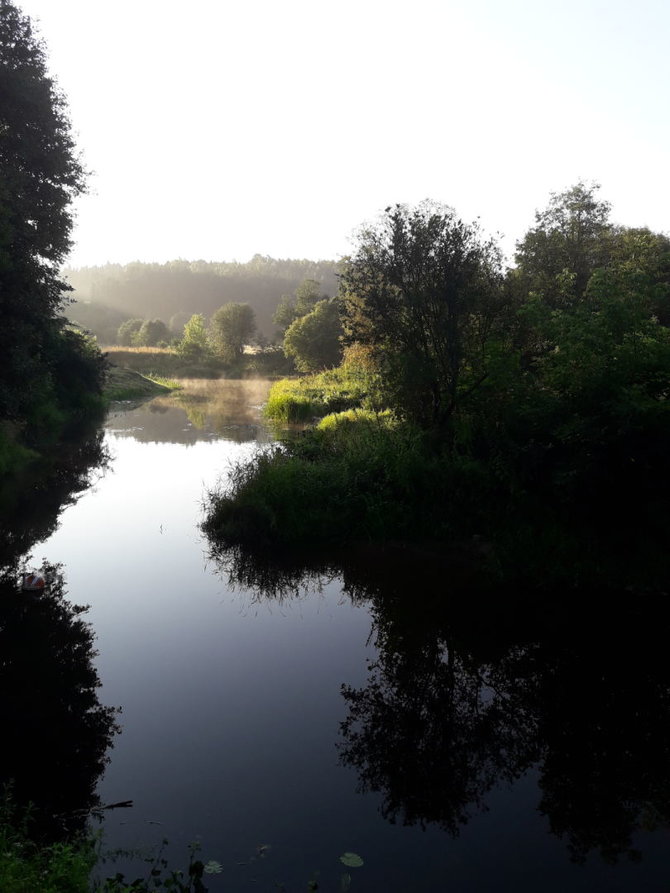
x: 521, y: 414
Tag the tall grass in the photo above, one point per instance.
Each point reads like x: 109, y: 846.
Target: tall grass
x: 303, y: 399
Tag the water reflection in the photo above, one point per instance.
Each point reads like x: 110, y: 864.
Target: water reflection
x: 202, y: 410
x: 56, y: 734
x: 474, y: 687
x: 30, y: 506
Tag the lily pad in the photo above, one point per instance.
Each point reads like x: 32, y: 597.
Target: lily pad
x: 351, y: 860
x: 213, y: 867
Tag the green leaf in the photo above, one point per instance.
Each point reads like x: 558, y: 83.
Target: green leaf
x: 351, y: 860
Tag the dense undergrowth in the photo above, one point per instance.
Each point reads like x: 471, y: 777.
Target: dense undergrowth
x: 62, y: 400
x: 525, y: 508
x: 27, y: 867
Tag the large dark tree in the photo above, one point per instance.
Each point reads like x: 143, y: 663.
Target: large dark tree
x: 423, y: 290
x: 40, y: 174
x: 570, y: 240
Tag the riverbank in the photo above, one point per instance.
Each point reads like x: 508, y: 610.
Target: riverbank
x: 126, y: 384
x: 576, y: 516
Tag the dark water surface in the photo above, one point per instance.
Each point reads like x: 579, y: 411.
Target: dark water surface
x: 348, y: 716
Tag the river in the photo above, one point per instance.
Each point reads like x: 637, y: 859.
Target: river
x: 283, y: 731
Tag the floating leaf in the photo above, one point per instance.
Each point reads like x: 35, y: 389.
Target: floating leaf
x: 213, y: 867
x: 351, y: 860
x: 345, y: 883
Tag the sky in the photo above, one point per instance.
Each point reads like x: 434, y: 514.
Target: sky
x: 219, y: 129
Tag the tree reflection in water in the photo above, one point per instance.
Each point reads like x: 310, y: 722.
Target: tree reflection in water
x: 30, y: 506
x: 56, y: 734
x: 474, y: 685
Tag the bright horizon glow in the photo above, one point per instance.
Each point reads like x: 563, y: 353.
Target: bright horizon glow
x: 279, y: 128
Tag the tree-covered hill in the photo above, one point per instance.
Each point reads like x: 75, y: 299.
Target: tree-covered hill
x: 181, y: 288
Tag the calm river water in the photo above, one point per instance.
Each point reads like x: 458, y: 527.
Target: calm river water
x: 450, y: 772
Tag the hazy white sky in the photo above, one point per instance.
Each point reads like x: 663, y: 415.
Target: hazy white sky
x: 217, y: 129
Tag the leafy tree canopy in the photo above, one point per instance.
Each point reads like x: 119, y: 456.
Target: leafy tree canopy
x: 194, y: 343
x: 40, y: 174
x: 305, y: 299
x: 232, y: 326
x: 424, y: 291
x: 128, y: 330
x: 314, y: 340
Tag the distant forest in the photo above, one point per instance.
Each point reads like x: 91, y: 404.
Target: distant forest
x: 106, y: 296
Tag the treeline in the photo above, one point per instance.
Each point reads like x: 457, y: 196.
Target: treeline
x: 106, y: 296
x: 50, y: 376
x: 526, y: 406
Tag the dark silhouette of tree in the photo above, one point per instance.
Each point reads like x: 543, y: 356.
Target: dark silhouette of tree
x: 40, y: 174
x: 423, y: 290
x: 569, y: 241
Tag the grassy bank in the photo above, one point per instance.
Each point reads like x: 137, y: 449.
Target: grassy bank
x: 314, y: 396
x: 125, y: 384
x: 162, y: 362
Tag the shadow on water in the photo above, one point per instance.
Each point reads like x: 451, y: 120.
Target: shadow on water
x: 474, y: 685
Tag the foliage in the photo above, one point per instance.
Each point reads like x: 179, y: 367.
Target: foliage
x: 300, y: 400
x: 306, y: 297
x: 232, y: 327
x: 151, y: 333
x: 26, y: 866
x: 570, y: 240
x: 342, y: 483
x: 182, y: 287
x: 543, y: 401
x: 314, y: 340
x: 194, y: 344
x: 423, y: 291
x: 49, y: 377
x: 127, y: 332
